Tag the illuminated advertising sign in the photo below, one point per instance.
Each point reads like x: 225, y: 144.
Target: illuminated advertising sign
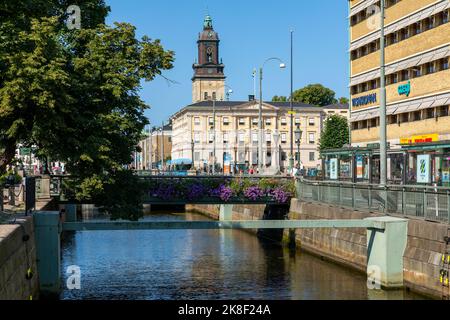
x: 423, y: 168
x: 333, y: 169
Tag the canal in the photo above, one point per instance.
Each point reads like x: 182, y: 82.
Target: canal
x: 203, y: 264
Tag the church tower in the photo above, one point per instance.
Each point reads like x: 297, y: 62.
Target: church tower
x: 209, y: 80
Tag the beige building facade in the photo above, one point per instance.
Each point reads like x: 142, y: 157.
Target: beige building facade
x: 417, y: 70
x: 156, y: 145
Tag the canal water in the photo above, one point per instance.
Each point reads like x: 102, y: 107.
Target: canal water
x: 203, y: 264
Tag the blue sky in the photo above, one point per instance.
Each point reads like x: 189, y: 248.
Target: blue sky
x: 250, y: 31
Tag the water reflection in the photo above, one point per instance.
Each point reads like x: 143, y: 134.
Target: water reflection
x: 202, y: 264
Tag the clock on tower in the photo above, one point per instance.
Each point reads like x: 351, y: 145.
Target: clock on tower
x: 209, y: 79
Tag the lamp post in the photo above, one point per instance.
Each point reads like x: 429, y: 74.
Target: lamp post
x: 192, y: 150
x: 214, y: 136
x: 291, y: 103
x: 228, y: 93
x: 260, y: 126
x: 383, y: 130
x: 298, y: 138
x: 235, y: 159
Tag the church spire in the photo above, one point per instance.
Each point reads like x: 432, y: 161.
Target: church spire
x: 208, y: 23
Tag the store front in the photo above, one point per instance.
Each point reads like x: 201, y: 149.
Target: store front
x: 429, y: 163
x: 363, y: 165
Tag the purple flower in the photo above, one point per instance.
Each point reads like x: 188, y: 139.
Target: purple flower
x: 254, y: 193
x: 164, y: 192
x: 225, y: 193
x: 195, y: 192
x: 280, y: 196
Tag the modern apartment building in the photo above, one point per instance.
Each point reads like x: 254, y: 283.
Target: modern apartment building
x: 417, y: 51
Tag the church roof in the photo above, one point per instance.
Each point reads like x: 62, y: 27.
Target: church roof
x: 225, y: 104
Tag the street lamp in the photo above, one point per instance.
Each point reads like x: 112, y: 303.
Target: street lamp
x: 260, y: 127
x: 298, y: 138
x: 235, y: 159
x: 228, y: 92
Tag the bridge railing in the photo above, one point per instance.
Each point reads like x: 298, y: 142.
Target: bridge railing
x: 424, y: 202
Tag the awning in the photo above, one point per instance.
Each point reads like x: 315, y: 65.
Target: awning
x: 181, y: 161
x: 417, y: 60
x: 416, y: 17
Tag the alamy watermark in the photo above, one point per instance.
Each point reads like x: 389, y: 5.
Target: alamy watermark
x: 374, y: 277
x: 74, y: 280
x: 74, y: 18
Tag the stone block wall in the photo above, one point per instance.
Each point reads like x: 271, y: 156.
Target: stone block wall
x: 16, y: 257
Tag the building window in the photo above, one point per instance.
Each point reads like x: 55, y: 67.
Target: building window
x: 312, y: 156
x: 405, y: 75
x: 283, y: 137
x: 214, y: 96
x: 241, y: 137
x: 312, y: 138
x: 393, y: 119
x: 197, y: 121
x: 429, y: 67
x: 197, y: 137
x: 417, y: 72
x: 211, y: 137
x: 444, y: 64
x: 225, y: 137
x: 283, y: 121
x: 297, y: 121
x: 255, y: 137
x: 197, y: 156
x: 268, y: 137
x: 429, y: 113
x: 211, y: 121
x: 255, y: 121
x: 443, y: 111
x: 226, y: 121
x: 242, y: 121
x: 404, y: 117
x: 312, y: 121
x: 268, y: 122
x: 416, y: 116
x: 445, y: 16
x: 283, y: 156
x: 205, y: 96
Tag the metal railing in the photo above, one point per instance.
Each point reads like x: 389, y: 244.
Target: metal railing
x: 424, y: 202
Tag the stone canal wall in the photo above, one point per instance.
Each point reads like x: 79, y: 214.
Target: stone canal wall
x: 17, y: 256
x: 421, y: 261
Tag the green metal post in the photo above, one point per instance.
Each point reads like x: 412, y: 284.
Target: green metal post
x: 48, y: 251
x: 71, y: 212
x: 448, y: 205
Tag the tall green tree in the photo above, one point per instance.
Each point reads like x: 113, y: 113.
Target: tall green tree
x: 75, y: 94
x: 335, y: 133
x: 314, y: 94
x: 343, y: 100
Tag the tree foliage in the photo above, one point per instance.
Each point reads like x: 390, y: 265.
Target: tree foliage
x: 314, y: 94
x: 74, y: 93
x: 335, y: 133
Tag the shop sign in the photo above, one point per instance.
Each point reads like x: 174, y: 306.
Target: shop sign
x: 364, y: 100
x: 420, y: 139
x: 333, y: 169
x: 423, y: 168
x: 359, y: 167
x: 404, y: 89
x: 446, y: 176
